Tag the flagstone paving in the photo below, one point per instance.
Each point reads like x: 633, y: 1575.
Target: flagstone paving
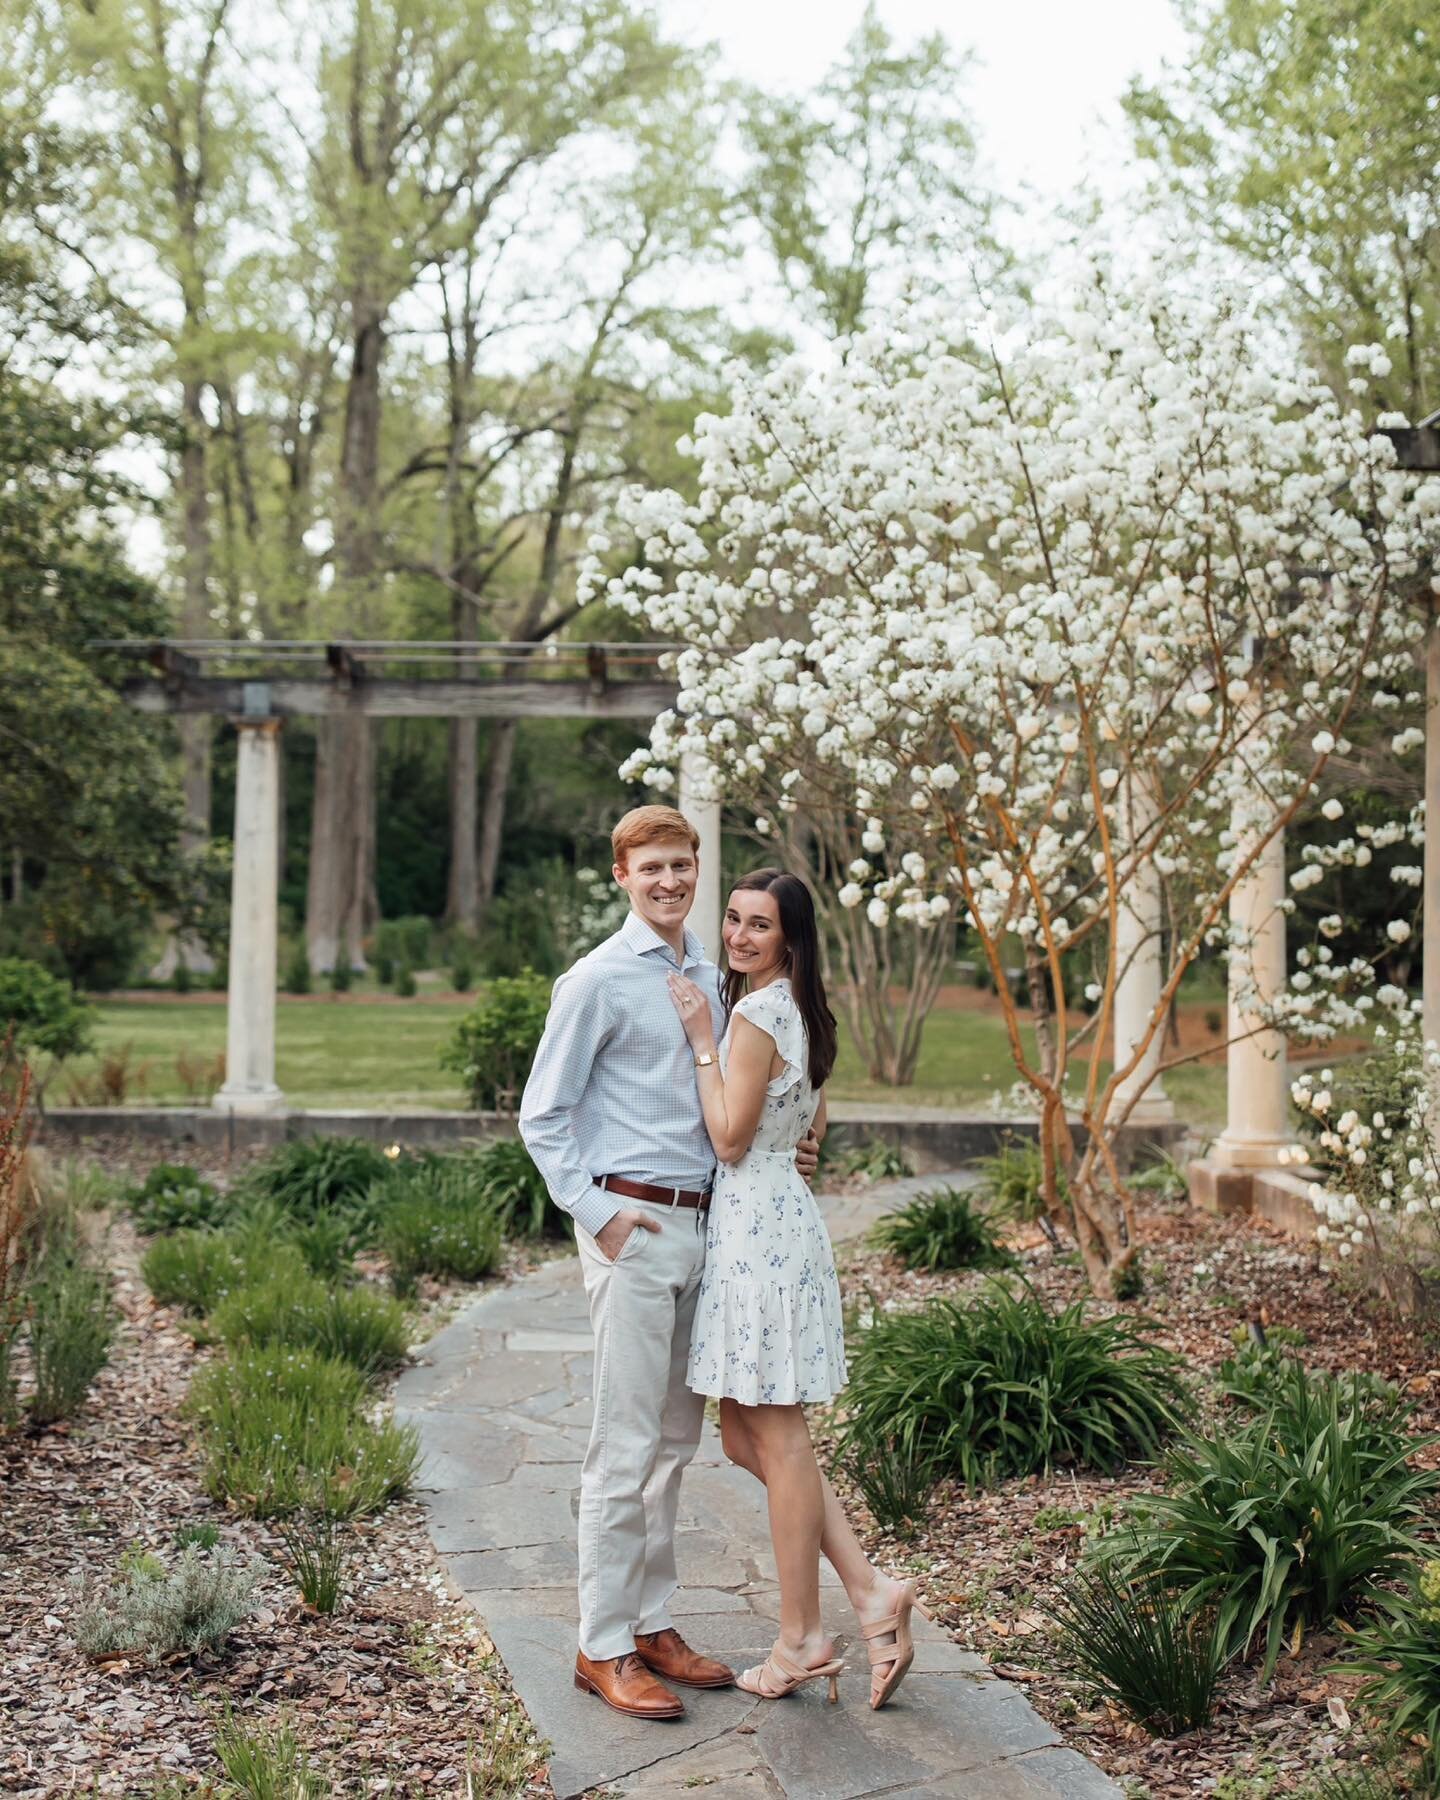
x: 501, y: 1401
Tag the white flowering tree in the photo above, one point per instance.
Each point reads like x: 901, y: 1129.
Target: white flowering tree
x: 1086, y: 608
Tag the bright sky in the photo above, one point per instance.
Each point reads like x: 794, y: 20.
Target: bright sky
x: 1048, y: 71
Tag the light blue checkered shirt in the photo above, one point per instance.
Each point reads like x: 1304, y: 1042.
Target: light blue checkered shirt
x: 613, y: 1087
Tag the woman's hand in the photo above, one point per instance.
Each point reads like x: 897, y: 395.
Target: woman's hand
x: 694, y: 1011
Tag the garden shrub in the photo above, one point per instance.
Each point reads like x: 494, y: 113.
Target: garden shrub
x: 71, y: 1320
x: 876, y: 1159
x: 1140, y: 1649
x: 442, y: 1225
x: 1013, y: 1178
x: 325, y: 1245
x: 285, y: 1430
x: 40, y: 1012
x: 296, y: 1310
x: 145, y: 1609
x: 495, y: 1043
x: 1286, y: 1520
x: 196, y: 1269
x: 1262, y: 1366
x: 296, y: 979
x: 408, y: 941
x: 516, y: 1191
x: 999, y: 1385
x: 319, y: 1177
x: 1398, y: 1653
x: 174, y: 1197
x: 941, y: 1230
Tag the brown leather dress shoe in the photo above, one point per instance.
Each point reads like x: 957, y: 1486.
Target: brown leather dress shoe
x: 667, y: 1653
x: 626, y: 1684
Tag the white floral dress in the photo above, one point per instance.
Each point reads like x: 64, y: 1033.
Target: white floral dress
x: 768, y: 1326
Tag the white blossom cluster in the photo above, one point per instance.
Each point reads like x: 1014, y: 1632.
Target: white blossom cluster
x: 1374, y: 1151
x: 998, y: 600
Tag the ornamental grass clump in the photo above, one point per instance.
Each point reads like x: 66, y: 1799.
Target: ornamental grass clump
x: 941, y: 1230
x: 443, y: 1224
x: 1000, y: 1385
x: 1398, y: 1653
x: 295, y: 1310
x: 195, y: 1270
x: 319, y: 1553
x: 516, y: 1191
x: 895, y: 1483
x: 70, y: 1322
x: 1140, y: 1649
x: 285, y: 1430
x: 267, y: 1762
x: 1285, y: 1521
x: 146, y: 1609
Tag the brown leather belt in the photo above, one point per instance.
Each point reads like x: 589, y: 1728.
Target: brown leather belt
x: 643, y: 1190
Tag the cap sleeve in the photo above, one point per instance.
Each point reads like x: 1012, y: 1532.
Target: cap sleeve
x: 773, y: 1011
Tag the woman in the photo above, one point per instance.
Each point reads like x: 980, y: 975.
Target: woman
x: 768, y: 1329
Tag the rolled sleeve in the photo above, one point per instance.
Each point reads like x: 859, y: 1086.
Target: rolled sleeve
x: 575, y: 1033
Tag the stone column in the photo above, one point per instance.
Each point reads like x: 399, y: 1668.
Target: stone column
x: 1138, y: 988
x: 700, y: 803
x: 250, y: 1046
x: 1257, y: 1110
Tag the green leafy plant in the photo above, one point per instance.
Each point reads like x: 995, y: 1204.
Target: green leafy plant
x: 196, y: 1269
x: 71, y: 1322
x: 1286, y: 1520
x: 516, y: 1191
x: 267, y: 1763
x: 1357, y: 1784
x: 319, y: 1177
x: 319, y: 1552
x: 894, y: 1483
x: 203, y: 1535
x: 941, y: 1230
x: 174, y: 1197
x: 1013, y: 1178
x: 1398, y: 1653
x: 145, y: 1609
x: 296, y: 1310
x: 324, y: 1243
x: 1159, y: 1174
x: 405, y: 981
x: 1140, y: 1649
x: 462, y: 968
x: 1262, y: 1357
x: 876, y: 1159
x: 341, y: 976
x: 296, y: 979
x: 999, y: 1385
x: 40, y: 1014
x: 495, y: 1043
x: 282, y: 1430
x: 441, y: 1226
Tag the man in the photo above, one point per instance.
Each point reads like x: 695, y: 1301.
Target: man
x: 612, y: 1119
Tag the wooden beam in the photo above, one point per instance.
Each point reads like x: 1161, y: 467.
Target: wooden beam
x: 385, y: 698
x: 1417, y: 447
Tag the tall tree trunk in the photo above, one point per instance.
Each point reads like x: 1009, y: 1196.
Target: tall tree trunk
x: 341, y: 898
x: 492, y: 821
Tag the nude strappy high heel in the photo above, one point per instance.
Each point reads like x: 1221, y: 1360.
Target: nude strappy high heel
x: 900, y: 1654
x: 780, y: 1675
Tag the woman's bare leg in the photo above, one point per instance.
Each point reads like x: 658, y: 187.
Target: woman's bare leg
x: 781, y: 1443
x: 873, y: 1594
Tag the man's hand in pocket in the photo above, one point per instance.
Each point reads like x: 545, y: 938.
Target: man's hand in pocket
x: 612, y: 1235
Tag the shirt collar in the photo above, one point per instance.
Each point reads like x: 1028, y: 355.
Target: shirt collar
x: 643, y: 938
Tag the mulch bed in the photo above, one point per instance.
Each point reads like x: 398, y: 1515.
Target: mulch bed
x: 987, y: 1570
x: 399, y: 1692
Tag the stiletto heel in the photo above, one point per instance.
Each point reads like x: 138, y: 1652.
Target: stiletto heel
x: 780, y: 1675
x: 901, y: 1653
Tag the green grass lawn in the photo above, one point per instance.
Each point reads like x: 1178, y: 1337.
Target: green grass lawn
x: 345, y: 1054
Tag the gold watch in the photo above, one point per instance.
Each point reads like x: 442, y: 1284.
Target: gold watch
x: 704, y: 1062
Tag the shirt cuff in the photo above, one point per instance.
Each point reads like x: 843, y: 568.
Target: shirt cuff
x: 593, y: 1210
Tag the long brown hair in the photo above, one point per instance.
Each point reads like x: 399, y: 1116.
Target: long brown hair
x: 802, y: 964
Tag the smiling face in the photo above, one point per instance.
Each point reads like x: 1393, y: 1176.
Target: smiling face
x: 660, y: 880
x: 754, y: 942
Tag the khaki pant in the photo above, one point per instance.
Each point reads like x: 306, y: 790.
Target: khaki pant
x: 646, y: 1425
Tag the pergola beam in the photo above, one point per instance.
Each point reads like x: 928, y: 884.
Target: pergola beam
x: 391, y: 697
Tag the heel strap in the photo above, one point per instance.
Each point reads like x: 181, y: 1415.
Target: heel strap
x: 880, y: 1626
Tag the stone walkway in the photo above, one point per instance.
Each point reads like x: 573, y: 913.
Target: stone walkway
x: 502, y: 1404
